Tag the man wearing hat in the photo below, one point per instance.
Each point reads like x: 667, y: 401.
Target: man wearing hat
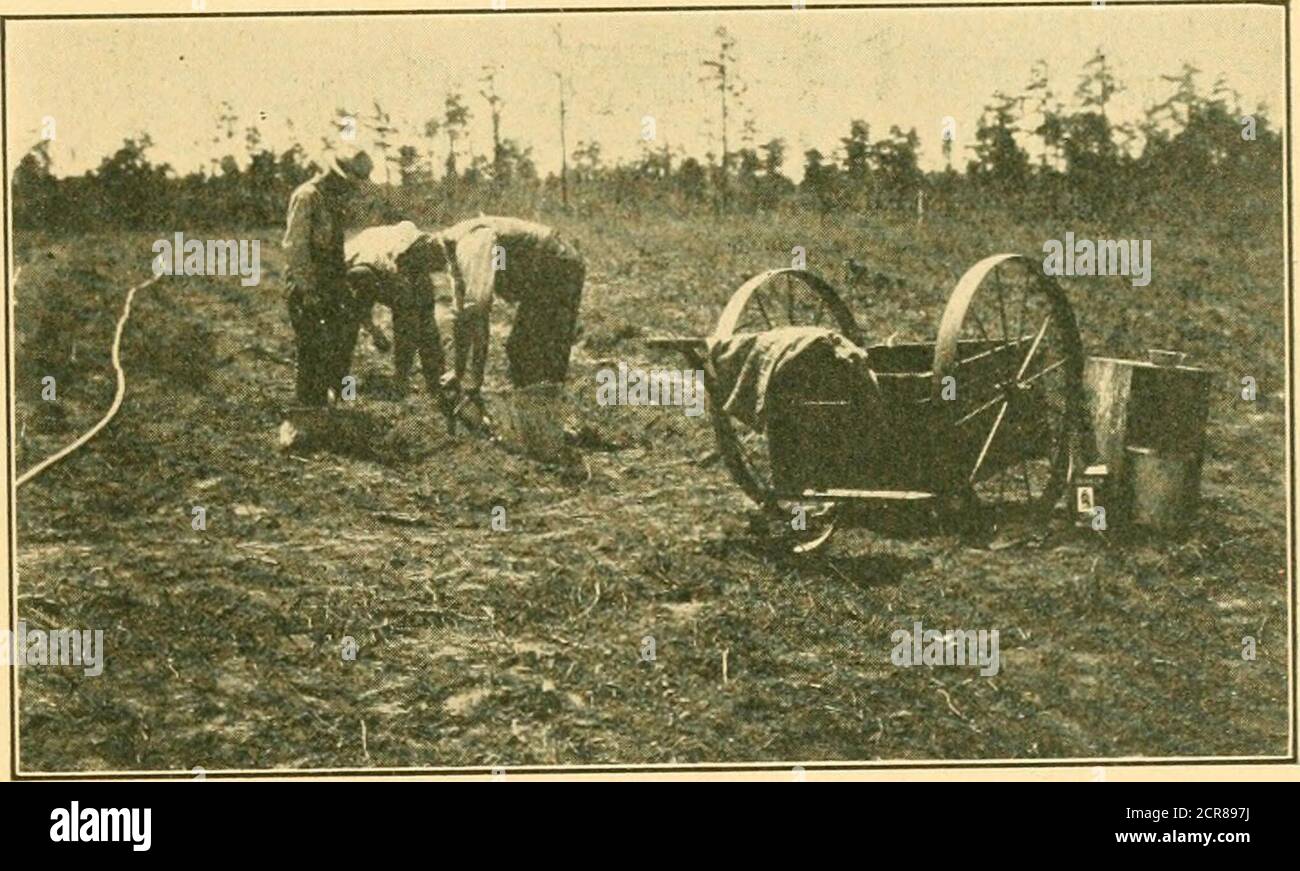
x: 324, y: 312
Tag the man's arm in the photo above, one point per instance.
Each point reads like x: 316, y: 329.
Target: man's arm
x: 298, y: 237
x: 473, y: 281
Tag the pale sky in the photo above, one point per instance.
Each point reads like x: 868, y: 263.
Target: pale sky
x: 808, y: 74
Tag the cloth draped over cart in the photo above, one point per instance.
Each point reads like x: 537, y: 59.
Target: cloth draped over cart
x: 746, y: 367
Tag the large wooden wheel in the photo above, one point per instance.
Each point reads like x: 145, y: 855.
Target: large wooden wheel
x: 770, y: 300
x: 1008, y: 384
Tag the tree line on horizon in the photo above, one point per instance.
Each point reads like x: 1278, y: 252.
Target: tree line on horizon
x: 1031, y: 152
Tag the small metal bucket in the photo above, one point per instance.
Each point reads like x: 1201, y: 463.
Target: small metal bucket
x: 1166, y: 487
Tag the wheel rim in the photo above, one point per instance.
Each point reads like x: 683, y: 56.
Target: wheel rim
x: 1009, y: 341
x: 777, y: 298
x: 786, y: 297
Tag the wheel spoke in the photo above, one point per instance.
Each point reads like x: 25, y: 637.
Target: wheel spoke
x: 987, y: 353
x: 988, y: 442
x: 995, y: 400
x: 977, y: 412
x: 980, y: 324
x: 1033, y: 349
x: 1052, y: 368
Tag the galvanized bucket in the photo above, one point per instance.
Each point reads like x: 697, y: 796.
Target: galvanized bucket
x: 1166, y: 487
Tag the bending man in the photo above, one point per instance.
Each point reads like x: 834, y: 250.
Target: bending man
x: 524, y: 263
x: 392, y: 265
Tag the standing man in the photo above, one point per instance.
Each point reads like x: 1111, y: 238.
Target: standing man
x: 324, y: 313
x: 524, y: 263
x: 392, y: 265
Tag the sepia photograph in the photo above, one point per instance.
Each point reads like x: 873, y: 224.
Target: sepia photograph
x: 500, y: 390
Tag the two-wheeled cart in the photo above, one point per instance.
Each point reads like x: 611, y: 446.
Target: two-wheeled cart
x: 988, y: 417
